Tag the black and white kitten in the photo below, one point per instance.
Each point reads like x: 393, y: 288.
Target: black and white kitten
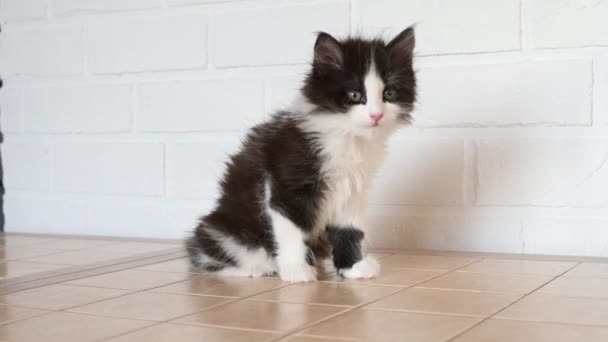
x: 296, y: 192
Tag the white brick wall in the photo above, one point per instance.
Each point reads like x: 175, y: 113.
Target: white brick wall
x: 56, y: 50
x: 537, y: 94
x: 586, y: 19
x: 27, y: 166
x: 445, y: 27
x: 14, y: 10
x: 69, y: 7
x: 109, y: 168
x: 132, y: 44
x: 117, y: 115
x: 10, y: 112
x: 77, y: 109
x: 199, y: 105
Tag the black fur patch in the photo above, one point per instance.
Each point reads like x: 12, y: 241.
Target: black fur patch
x: 346, y: 243
x: 280, y: 153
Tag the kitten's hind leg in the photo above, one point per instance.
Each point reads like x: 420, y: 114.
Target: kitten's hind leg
x: 293, y: 255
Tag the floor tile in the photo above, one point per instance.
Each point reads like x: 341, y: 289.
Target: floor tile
x: 499, y: 330
x: 62, y: 327
x: 131, y: 280
x: 12, y: 269
x: 327, y: 293
x: 259, y: 315
x: 558, y: 309
x: 58, y: 297
x: 18, y: 241
x: 183, y: 333
x: 151, y: 306
x: 223, y: 286
x: 379, y: 256
x: 388, y: 326
x: 394, y: 277
x: 309, y: 339
x: 448, y: 302
x: 12, y: 253
x: 133, y: 248
x: 178, y: 265
x: 104, y: 253
x: 14, y: 313
x: 493, y: 282
x: 79, y: 257
x: 520, y: 266
x: 589, y: 269
x: 578, y: 287
x: 76, y: 244
x: 425, y: 262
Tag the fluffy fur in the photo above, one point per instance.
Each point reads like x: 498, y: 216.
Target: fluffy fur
x: 296, y: 192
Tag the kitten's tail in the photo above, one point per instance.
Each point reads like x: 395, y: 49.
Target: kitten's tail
x: 199, y: 259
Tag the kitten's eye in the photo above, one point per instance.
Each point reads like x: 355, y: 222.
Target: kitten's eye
x: 354, y: 96
x: 390, y: 94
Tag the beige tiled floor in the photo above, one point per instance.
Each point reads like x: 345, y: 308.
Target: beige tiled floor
x: 416, y: 298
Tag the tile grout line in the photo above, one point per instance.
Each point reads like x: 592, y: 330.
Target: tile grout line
x: 510, y: 305
x: 65, y: 310
x: 234, y: 300
x: 306, y: 326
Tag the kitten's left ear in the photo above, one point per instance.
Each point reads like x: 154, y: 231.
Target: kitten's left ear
x: 402, y: 46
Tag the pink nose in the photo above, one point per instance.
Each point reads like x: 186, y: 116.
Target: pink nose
x: 376, y: 117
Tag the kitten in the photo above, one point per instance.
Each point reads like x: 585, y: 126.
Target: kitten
x: 296, y: 192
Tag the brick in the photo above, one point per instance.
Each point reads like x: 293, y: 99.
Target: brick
x: 30, y: 214
x: 566, y: 236
x: 547, y: 172
x: 146, y: 43
x: 421, y: 172
x: 199, y: 105
x: 129, y: 218
x: 278, y: 35
x: 601, y: 89
x: 531, y: 93
x: 14, y: 10
x: 78, y: 108
x: 445, y: 26
x: 51, y: 51
x: 455, y: 233
x: 10, y: 110
x: 281, y: 91
x: 26, y: 166
x: 193, y: 2
x: 109, y: 168
x: 586, y: 23
x: 194, y: 169
x: 62, y: 7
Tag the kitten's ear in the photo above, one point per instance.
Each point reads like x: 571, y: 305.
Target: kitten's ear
x: 402, y: 46
x: 328, y: 52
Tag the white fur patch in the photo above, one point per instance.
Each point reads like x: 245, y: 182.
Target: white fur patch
x: 366, y: 268
x: 291, y: 249
x: 252, y: 262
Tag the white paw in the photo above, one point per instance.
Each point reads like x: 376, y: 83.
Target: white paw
x: 366, y: 268
x: 297, y: 273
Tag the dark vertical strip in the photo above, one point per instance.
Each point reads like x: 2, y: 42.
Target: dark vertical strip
x: 1, y: 179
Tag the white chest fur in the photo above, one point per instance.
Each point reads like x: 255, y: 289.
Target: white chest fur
x: 350, y: 163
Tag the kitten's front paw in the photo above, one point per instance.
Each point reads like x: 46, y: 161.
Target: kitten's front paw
x: 298, y: 273
x: 366, y: 268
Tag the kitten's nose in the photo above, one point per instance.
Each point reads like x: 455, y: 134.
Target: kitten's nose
x: 376, y: 117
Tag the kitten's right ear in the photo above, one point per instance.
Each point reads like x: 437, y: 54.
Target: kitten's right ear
x: 328, y: 52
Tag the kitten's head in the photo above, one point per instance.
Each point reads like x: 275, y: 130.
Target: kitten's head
x: 364, y: 86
